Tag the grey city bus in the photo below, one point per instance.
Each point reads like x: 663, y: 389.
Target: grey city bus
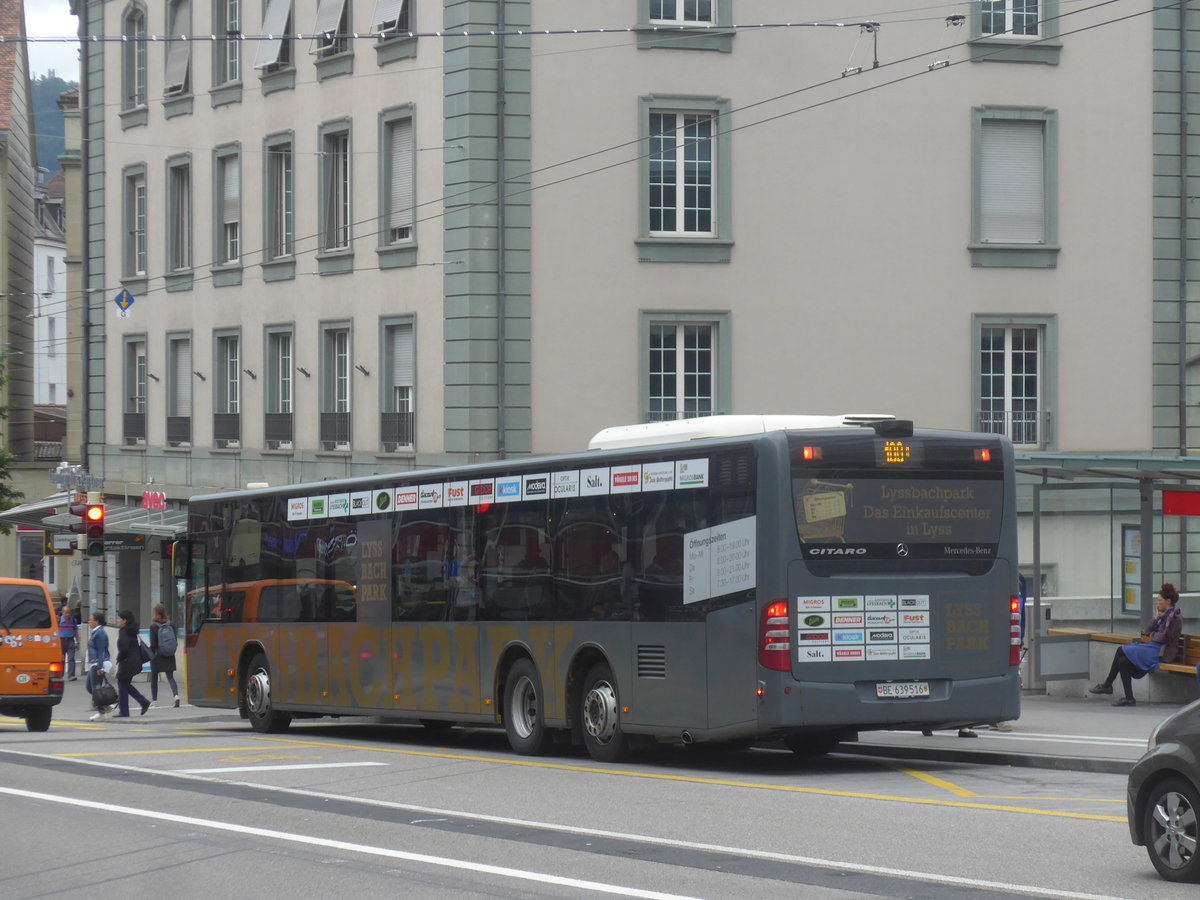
x: 684, y: 582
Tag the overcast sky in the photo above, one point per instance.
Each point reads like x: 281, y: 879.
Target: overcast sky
x: 52, y: 18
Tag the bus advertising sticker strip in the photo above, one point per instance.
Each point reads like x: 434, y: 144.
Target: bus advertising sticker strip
x: 857, y: 628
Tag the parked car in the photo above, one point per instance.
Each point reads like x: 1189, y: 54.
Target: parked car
x: 1163, y: 797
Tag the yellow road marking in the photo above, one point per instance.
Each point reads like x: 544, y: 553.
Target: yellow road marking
x: 936, y: 782
x: 692, y: 779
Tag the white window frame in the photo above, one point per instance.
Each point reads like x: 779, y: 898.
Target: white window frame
x: 133, y: 58
x: 179, y: 215
x: 228, y: 377
x: 336, y: 187
x: 280, y: 371
x: 279, y: 198
x: 228, y: 200
x: 229, y: 34
x: 135, y: 374
x: 399, y: 180
x: 1009, y: 398
x: 690, y: 363
x: 675, y: 151
x: 179, y: 357
x: 675, y: 12
x: 134, y: 251
x: 1019, y: 19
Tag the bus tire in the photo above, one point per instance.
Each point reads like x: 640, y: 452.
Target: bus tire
x: 600, y: 716
x: 38, y: 718
x: 524, y: 710
x: 259, y: 710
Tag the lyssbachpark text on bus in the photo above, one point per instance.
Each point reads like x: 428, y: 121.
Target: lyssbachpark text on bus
x: 727, y: 579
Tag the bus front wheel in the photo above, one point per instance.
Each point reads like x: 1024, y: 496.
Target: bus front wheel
x: 524, y: 712
x: 263, y: 717
x: 599, y: 712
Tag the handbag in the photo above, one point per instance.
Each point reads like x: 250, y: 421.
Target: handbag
x: 103, y: 694
x: 144, y: 651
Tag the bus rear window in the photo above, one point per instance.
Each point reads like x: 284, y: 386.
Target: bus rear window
x: 23, y: 607
x: 873, y: 505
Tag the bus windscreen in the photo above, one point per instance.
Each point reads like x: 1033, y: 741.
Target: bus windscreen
x: 867, y: 503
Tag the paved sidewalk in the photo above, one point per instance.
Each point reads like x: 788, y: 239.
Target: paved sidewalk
x: 76, y: 705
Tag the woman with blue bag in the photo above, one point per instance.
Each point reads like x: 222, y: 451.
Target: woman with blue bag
x: 1160, y: 646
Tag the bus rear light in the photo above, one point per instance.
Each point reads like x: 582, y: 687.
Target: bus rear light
x: 774, y: 642
x: 811, y: 453
x: 1014, y: 642
x: 983, y: 454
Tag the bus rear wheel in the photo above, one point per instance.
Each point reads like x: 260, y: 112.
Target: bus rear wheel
x: 38, y: 719
x: 524, y: 712
x: 599, y: 712
x: 263, y: 716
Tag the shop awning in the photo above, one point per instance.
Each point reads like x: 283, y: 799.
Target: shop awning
x: 135, y: 520
x: 31, y: 514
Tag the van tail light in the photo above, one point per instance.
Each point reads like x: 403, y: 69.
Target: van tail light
x: 1014, y: 643
x: 774, y: 643
x: 56, y: 669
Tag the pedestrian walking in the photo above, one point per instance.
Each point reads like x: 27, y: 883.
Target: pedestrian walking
x: 68, y: 631
x: 1161, y: 645
x: 98, y: 664
x: 163, y: 642
x: 129, y: 663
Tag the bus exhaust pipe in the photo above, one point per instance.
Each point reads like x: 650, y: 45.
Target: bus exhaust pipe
x: 687, y: 738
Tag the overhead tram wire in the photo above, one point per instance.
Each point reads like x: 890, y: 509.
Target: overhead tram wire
x: 839, y: 79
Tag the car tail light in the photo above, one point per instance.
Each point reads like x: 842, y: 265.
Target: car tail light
x: 774, y: 643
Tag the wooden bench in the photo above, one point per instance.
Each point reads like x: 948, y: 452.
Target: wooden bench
x: 1186, y: 660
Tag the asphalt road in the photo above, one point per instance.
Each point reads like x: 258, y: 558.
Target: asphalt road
x: 196, y: 806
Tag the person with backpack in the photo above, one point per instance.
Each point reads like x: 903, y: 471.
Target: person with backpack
x: 163, y: 643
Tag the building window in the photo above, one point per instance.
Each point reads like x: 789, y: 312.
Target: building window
x: 396, y: 419
x: 179, y: 50
x: 681, y: 174
x: 227, y: 392
x: 1015, y: 31
x: 335, y: 189
x: 332, y: 30
x: 335, y: 388
x: 179, y: 216
x: 274, y: 50
x: 1015, y: 187
x: 391, y: 18
x: 133, y: 59
x: 278, y: 387
x: 683, y: 12
x: 227, y: 61
x: 134, y: 413
x: 1018, y: 18
x: 684, y: 183
x: 228, y: 186
x: 52, y: 336
x: 1014, y: 368
x: 398, y: 160
x: 135, y: 223
x: 685, y: 365
x: 179, y: 391
x: 279, y: 216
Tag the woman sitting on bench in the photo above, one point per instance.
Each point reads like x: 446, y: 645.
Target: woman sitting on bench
x: 1161, y: 646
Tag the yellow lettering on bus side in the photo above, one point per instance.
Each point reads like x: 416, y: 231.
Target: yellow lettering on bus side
x: 303, y: 682
x: 403, y: 639
x: 369, y: 663
x: 465, y: 697
x: 435, y: 653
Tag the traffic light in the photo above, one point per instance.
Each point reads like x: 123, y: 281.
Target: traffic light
x: 93, y: 517
x: 79, y: 510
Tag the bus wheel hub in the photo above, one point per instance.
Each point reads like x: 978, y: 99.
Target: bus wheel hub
x: 600, y: 712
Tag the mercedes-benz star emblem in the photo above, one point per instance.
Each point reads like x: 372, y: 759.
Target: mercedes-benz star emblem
x: 902, y: 550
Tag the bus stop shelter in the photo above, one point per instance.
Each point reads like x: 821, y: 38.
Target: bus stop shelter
x: 1169, y: 484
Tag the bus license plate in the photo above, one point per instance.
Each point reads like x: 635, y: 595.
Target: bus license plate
x: 902, y: 689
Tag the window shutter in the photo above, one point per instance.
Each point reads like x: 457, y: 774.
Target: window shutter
x: 387, y: 13
x: 329, y: 16
x: 231, y: 189
x: 275, y: 22
x: 183, y: 378
x: 1012, y: 206
x: 179, y: 54
x: 402, y: 355
x: 400, y: 202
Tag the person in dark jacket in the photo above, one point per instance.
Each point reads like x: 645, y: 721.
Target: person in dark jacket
x: 162, y: 652
x: 129, y: 663
x: 67, y: 631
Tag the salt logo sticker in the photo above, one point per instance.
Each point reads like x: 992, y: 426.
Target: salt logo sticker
x: 593, y: 482
x: 814, y: 654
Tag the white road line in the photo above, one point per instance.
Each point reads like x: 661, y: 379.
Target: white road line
x: 345, y: 765
x: 1052, y: 738
x: 615, y: 835
x: 345, y: 846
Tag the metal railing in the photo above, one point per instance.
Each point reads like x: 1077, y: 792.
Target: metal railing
x: 335, y: 431
x: 277, y: 430
x: 1024, y: 428
x: 395, y: 431
x: 179, y: 430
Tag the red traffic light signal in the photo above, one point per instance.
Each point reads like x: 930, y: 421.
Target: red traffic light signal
x: 93, y: 518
